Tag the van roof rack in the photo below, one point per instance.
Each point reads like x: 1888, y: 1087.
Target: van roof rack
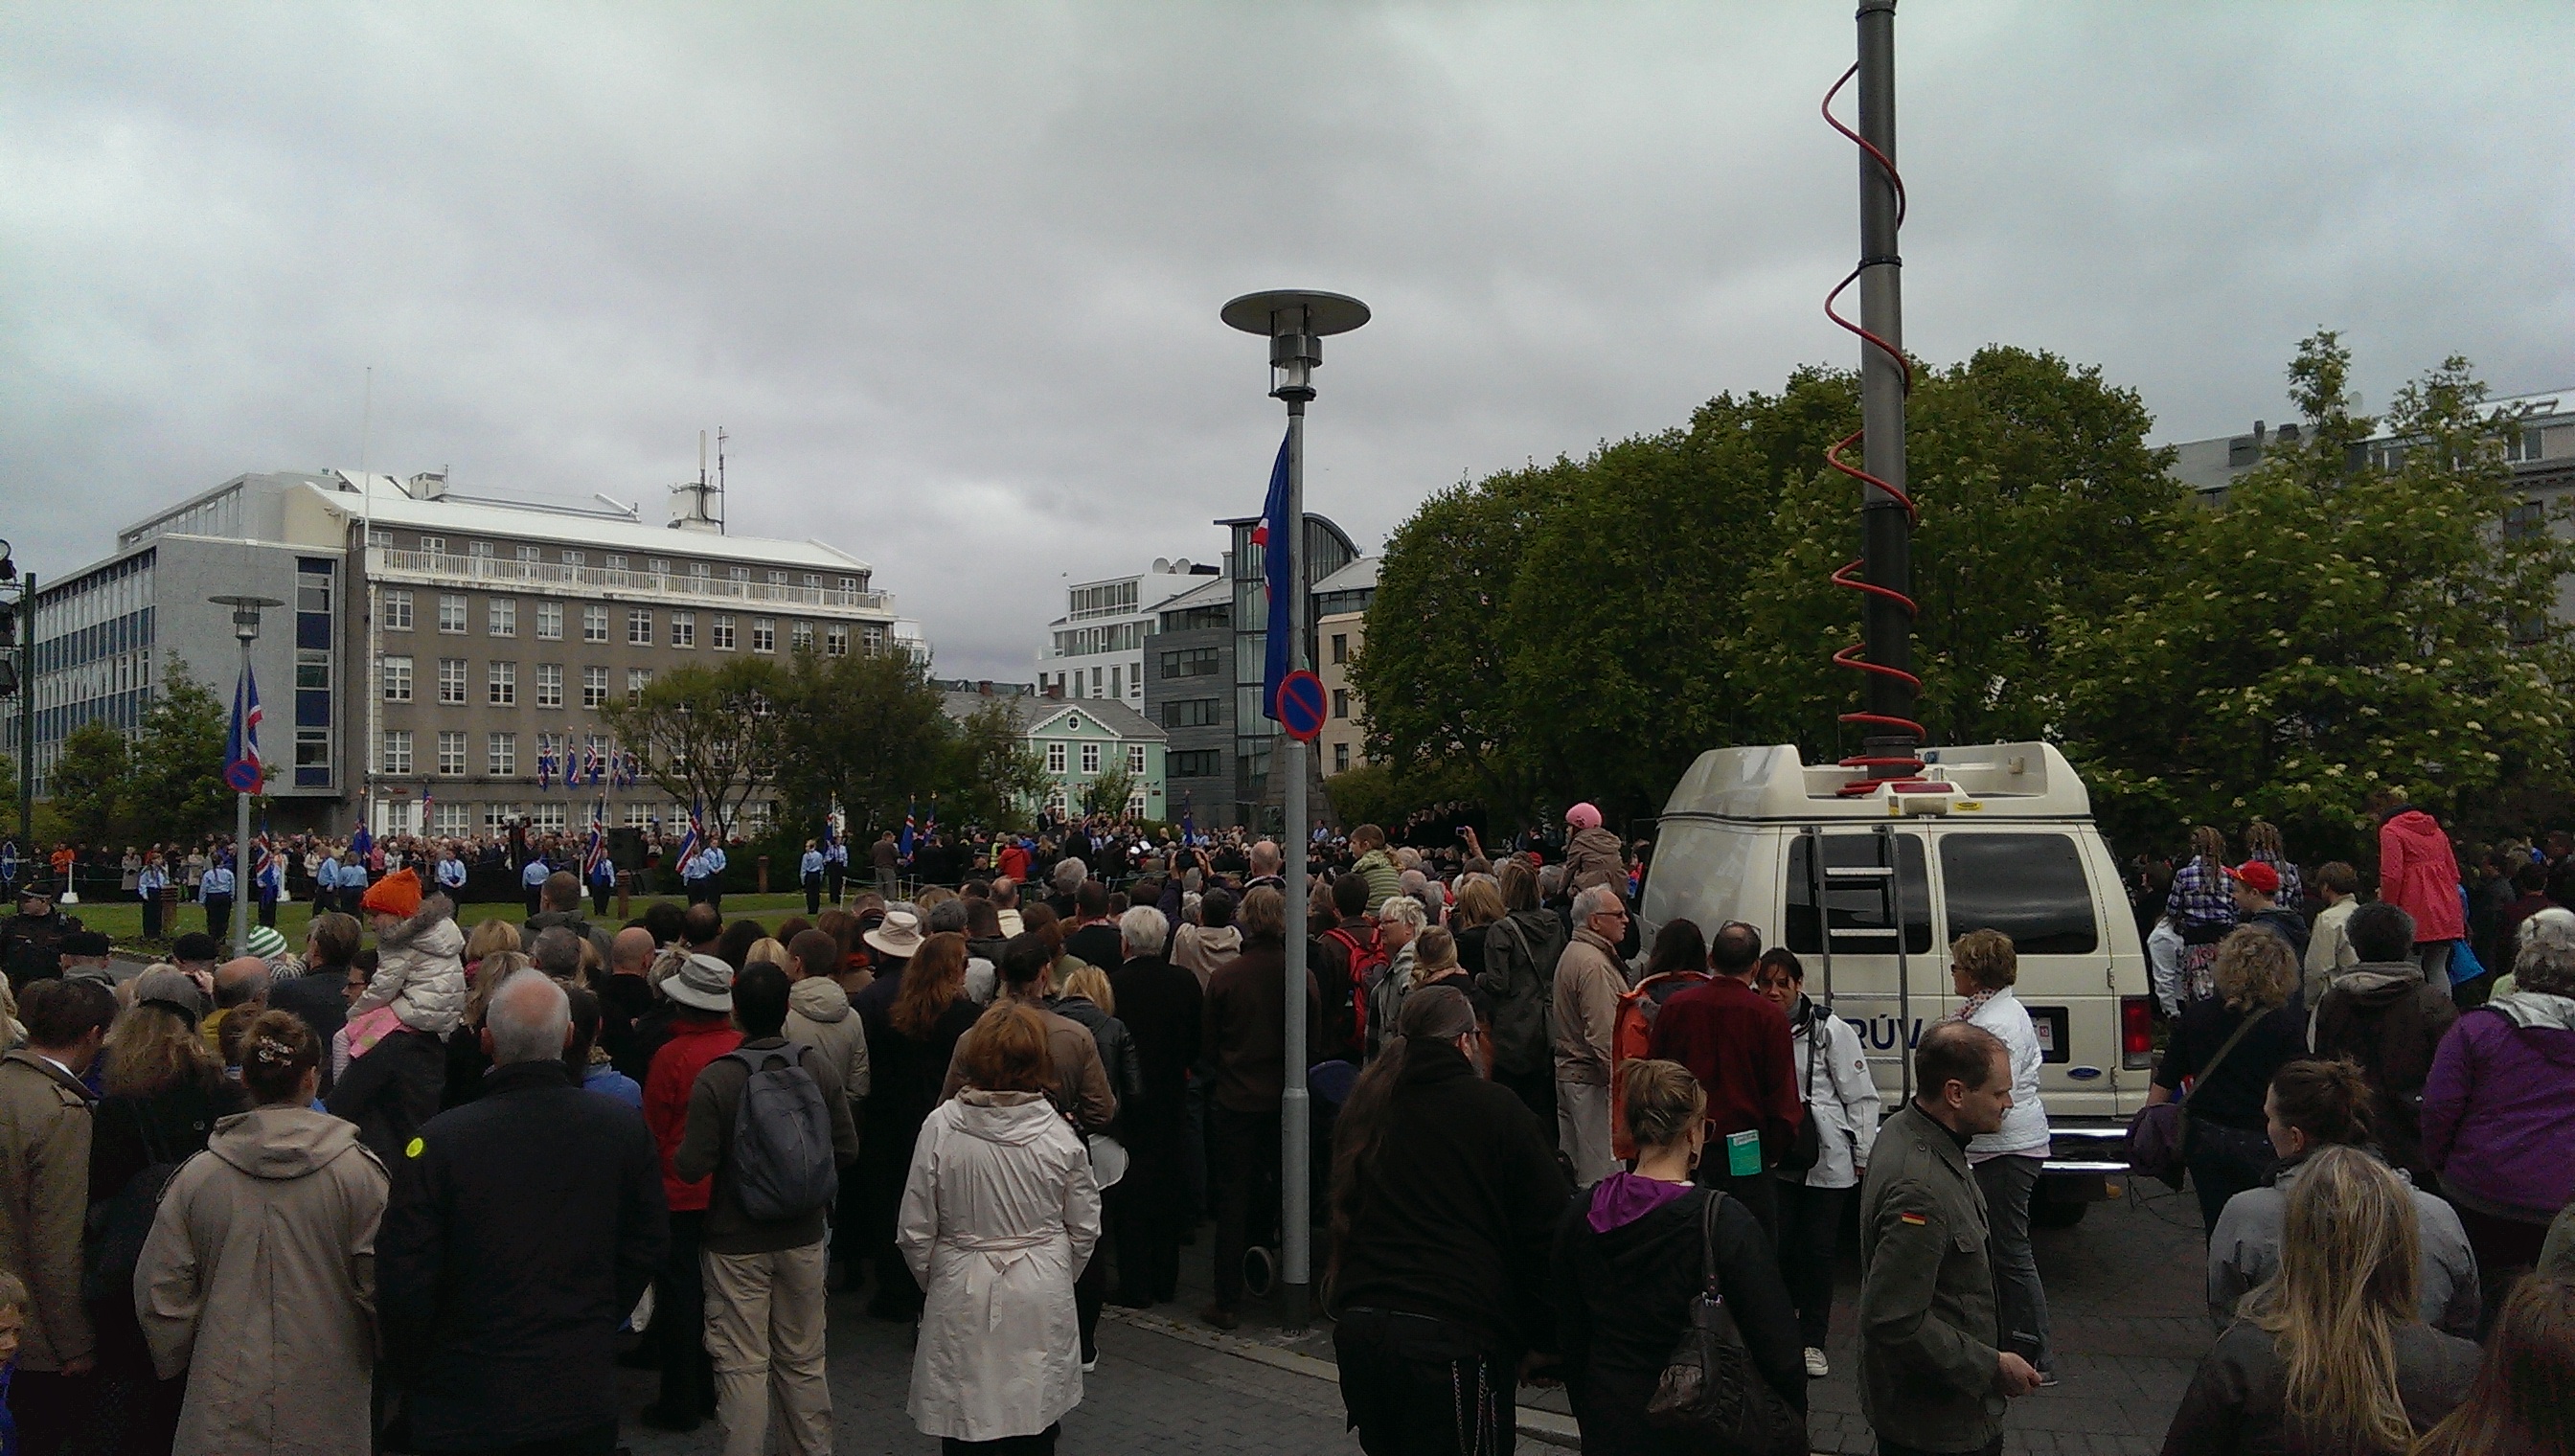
x: 2024, y: 781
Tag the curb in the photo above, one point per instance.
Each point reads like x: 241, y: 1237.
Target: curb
x: 1535, y: 1424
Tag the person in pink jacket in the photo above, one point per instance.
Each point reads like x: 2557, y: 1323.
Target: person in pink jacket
x: 2419, y: 874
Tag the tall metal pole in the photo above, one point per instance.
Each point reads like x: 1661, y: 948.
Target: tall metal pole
x: 27, y: 718
x: 1886, y: 525
x: 241, y: 890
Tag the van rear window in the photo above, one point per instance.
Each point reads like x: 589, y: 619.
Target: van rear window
x: 1858, y: 904
x: 2029, y: 887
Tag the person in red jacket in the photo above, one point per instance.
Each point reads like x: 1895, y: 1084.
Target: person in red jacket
x: 2418, y: 873
x: 1735, y: 1041
x: 701, y: 1029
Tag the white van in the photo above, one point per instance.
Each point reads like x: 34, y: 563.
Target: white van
x: 1993, y: 836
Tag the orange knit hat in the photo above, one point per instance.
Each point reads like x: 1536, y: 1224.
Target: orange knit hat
x: 397, y: 893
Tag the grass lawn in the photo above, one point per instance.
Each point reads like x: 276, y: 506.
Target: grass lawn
x: 123, y: 921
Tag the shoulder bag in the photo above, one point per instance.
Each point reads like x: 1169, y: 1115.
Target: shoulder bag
x: 1808, y: 1148
x: 1709, y: 1387
x: 2158, y: 1136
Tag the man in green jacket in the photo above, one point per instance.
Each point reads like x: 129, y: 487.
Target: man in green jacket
x: 1929, y: 1365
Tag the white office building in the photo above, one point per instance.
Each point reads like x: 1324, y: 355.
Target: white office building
x: 1097, y: 647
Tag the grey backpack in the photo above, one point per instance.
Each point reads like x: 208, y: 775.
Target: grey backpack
x: 782, y: 1137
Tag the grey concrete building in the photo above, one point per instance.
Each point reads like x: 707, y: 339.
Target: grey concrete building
x: 439, y: 648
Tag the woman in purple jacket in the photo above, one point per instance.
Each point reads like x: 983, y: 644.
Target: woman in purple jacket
x: 2499, y: 1115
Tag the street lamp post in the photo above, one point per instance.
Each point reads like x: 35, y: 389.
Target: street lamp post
x: 246, y: 611
x: 1294, y: 320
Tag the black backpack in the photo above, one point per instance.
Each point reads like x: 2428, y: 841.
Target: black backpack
x: 118, y: 1225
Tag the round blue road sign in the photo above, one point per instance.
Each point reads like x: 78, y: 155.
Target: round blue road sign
x: 1301, y: 705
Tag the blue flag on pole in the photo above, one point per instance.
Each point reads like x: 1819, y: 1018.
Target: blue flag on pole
x: 243, y: 770
x: 904, y: 847
x: 1276, y: 538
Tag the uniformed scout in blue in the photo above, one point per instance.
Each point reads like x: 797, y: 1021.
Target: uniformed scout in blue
x: 1934, y: 1371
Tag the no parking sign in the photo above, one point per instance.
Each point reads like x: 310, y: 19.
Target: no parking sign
x: 1301, y: 705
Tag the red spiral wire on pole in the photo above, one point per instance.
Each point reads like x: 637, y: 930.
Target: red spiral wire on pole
x: 1855, y: 656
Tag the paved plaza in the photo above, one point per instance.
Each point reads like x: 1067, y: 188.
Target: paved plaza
x: 2124, y: 1291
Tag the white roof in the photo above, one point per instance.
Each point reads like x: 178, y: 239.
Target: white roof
x: 1993, y: 781
x: 597, y: 527
x: 1359, y: 574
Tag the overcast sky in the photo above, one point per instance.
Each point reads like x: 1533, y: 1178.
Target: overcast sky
x: 949, y: 272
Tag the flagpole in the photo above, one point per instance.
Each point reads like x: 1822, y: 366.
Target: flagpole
x: 246, y: 611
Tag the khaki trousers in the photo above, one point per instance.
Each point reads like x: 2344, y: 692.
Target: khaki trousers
x: 765, y: 1334
x: 1583, y: 1131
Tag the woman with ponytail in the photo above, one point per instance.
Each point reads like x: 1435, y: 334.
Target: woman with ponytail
x: 2329, y: 1358
x: 2314, y: 1105
x: 1443, y: 1204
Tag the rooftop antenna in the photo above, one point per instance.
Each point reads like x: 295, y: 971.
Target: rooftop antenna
x: 719, y: 510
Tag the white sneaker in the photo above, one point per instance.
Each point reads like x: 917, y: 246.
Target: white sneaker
x: 1090, y: 1365
x: 1817, y: 1366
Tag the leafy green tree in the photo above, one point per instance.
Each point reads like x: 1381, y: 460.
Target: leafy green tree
x: 708, y: 735
x: 1107, y: 793
x: 90, y: 782
x: 2336, y: 626
x: 991, y: 777
x: 865, y: 730
x: 176, y: 789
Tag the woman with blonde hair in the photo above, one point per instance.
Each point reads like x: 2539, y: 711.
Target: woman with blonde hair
x: 491, y: 937
x: 2229, y: 1045
x: 2330, y: 1356
x: 767, y: 950
x: 999, y: 1216
x: 1633, y: 1254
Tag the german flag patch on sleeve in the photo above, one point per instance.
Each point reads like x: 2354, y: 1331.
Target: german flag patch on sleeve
x: 1914, y: 1219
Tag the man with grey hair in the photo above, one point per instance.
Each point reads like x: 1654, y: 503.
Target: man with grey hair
x: 1162, y: 1006
x: 1265, y: 861
x: 1589, y: 983
x: 1069, y: 873
x: 557, y: 953
x: 503, y: 1330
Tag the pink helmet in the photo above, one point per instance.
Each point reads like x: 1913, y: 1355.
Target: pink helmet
x: 1582, y: 816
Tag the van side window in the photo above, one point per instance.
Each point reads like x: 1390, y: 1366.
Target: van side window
x: 2029, y: 887
x: 1857, y: 904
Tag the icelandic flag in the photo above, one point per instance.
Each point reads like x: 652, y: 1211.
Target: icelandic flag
x: 627, y: 772
x: 1276, y: 538
x: 831, y: 833
x: 593, y: 763
x: 1188, y: 827
x: 691, y: 842
x: 596, y: 849
x: 424, y: 809
x: 905, y: 847
x: 265, y: 869
x: 362, y: 843
x: 545, y: 768
x: 929, y: 826
x: 243, y: 770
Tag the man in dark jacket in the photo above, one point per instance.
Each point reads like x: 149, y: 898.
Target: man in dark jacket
x: 500, y: 1323
x: 1930, y: 1366
x: 1445, y: 1205
x: 2256, y: 886
x: 31, y: 941
x: 1164, y: 1008
x: 765, y: 1276
x: 561, y: 897
x: 1737, y: 1043
x: 1244, y: 1031
x: 2380, y: 1014
x: 392, y: 1091
x: 1332, y: 954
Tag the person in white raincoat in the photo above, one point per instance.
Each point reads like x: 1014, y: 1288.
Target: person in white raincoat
x: 999, y: 1217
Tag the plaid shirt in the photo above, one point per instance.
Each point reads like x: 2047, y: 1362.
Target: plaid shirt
x: 2201, y: 897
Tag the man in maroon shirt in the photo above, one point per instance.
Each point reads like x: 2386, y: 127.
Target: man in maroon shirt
x: 1737, y: 1043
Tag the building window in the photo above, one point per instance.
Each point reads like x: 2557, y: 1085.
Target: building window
x: 433, y: 546
x: 763, y: 635
x: 594, y: 687
x: 503, y: 755
x: 1191, y: 662
x: 594, y: 623
x: 451, y: 752
x: 800, y: 636
x: 1055, y: 758
x: 613, y: 562
x: 637, y: 816
x: 396, y: 675
x: 699, y: 571
x: 549, y: 622
x: 1341, y: 648
x: 397, y: 610
x: 549, y: 684
x: 451, y: 680
x: 872, y: 639
x: 1195, y: 763
x: 657, y: 566
x: 455, y: 818
x: 576, y: 558
x: 479, y: 553
x: 1135, y: 757
x: 1341, y: 703
x: 836, y: 641
x: 2525, y: 521
x: 397, y: 756
x: 497, y: 818
x: 527, y: 554
x: 1341, y: 757
x: 501, y: 616
x: 639, y: 626
x: 1190, y: 713
x: 637, y: 679
x: 720, y: 633
x: 1091, y: 758
x: 450, y: 611
x: 549, y: 818
x: 684, y: 629
x: 501, y: 685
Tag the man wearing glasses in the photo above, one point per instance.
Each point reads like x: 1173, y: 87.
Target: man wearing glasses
x: 1588, y: 982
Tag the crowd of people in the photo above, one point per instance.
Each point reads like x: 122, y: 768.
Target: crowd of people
x: 477, y: 1169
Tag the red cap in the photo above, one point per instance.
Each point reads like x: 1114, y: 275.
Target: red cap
x: 2256, y: 876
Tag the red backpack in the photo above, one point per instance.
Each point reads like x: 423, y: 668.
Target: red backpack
x: 1631, y: 1036
x: 1368, y: 966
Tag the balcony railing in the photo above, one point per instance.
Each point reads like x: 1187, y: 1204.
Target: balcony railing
x: 445, y: 568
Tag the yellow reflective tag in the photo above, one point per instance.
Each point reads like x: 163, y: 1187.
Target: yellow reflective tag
x: 413, y: 1150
